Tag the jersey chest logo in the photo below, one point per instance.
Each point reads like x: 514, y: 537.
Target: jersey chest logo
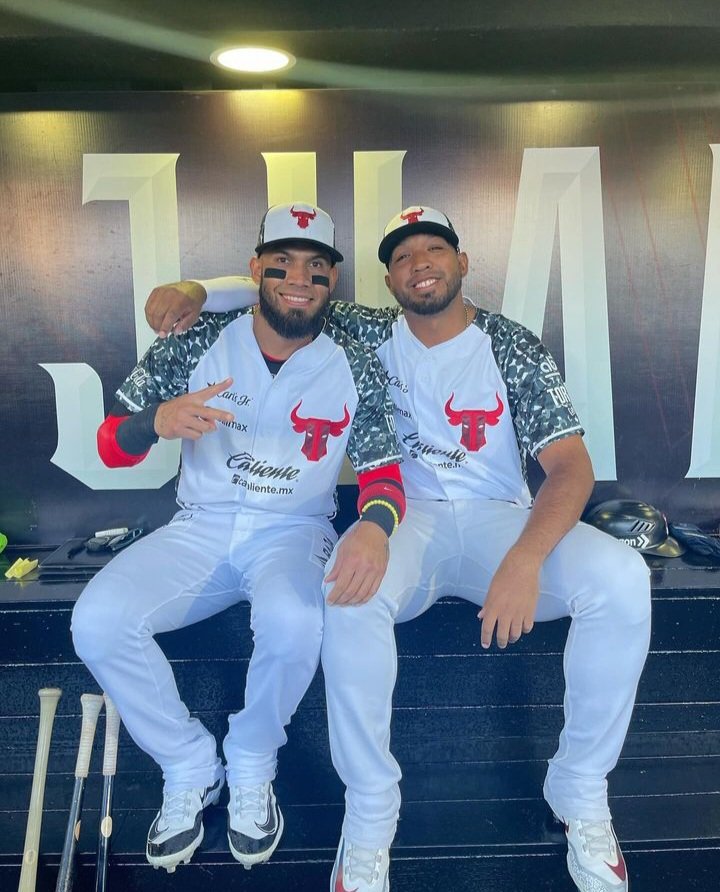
x: 317, y: 431
x: 472, y: 422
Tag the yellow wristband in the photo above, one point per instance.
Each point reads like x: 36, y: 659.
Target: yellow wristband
x: 390, y: 507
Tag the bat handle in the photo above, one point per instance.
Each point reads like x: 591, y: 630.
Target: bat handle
x: 49, y: 698
x: 91, y: 706
x: 112, y: 732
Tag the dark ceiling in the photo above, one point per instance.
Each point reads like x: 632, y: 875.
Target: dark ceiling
x: 48, y: 45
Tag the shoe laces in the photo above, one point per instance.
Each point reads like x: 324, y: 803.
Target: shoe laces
x: 176, y: 807
x: 598, y: 838
x: 250, y: 801
x: 362, y: 864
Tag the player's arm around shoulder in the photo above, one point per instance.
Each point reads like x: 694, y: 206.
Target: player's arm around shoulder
x: 365, y: 325
x: 175, y: 307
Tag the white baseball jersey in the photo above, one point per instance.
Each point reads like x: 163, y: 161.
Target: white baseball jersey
x: 469, y: 410
x: 284, y: 449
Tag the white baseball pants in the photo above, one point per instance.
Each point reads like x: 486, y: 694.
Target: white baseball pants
x: 196, y: 566
x: 453, y: 548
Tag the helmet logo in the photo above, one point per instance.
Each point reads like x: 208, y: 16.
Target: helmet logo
x: 412, y: 216
x: 642, y: 526
x: 473, y: 422
x: 303, y: 217
x: 317, y: 431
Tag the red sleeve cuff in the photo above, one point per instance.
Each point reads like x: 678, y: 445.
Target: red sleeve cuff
x: 108, y: 449
x: 382, y: 489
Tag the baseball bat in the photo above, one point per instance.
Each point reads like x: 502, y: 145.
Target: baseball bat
x: 112, y: 730
x: 91, y: 706
x: 49, y: 698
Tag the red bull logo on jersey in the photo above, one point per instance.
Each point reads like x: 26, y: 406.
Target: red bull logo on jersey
x: 473, y: 421
x: 317, y: 431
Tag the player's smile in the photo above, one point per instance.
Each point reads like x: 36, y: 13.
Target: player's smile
x: 425, y: 283
x: 296, y: 300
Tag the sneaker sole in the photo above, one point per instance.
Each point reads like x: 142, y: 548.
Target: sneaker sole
x: 170, y: 862
x: 592, y: 884
x: 249, y: 861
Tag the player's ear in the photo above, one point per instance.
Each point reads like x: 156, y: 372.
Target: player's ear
x: 256, y: 269
x: 388, y: 285
x: 333, y: 276
x: 463, y: 262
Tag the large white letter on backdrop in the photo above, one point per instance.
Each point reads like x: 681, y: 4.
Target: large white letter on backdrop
x: 147, y: 183
x: 378, y: 197
x: 563, y: 186
x: 705, y: 452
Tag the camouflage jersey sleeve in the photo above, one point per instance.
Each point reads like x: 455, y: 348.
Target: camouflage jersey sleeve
x: 539, y: 402
x: 164, y: 371
x: 369, y: 327
x: 373, y: 441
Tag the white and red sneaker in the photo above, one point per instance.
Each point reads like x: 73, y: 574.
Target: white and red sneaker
x: 594, y: 859
x: 360, y: 870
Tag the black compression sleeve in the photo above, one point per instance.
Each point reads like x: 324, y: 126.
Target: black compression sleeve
x: 136, y: 435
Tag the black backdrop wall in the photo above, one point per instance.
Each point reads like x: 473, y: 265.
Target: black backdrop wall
x: 596, y: 223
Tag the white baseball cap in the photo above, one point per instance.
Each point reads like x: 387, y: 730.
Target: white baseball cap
x: 298, y: 222
x: 414, y: 220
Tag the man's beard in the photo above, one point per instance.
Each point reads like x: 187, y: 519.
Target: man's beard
x: 430, y: 306
x: 294, y: 324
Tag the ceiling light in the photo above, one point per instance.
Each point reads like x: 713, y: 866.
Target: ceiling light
x: 252, y: 58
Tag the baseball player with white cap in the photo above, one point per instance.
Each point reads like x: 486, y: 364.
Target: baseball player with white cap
x: 266, y: 403
x: 475, y: 393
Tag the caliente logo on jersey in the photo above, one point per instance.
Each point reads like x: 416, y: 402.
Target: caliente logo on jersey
x: 317, y: 431
x: 473, y: 421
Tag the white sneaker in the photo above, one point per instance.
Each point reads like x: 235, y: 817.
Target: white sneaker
x: 360, y: 870
x: 178, y: 828
x: 255, y: 824
x: 594, y: 859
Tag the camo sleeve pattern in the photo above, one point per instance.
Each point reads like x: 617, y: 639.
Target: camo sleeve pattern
x: 539, y: 402
x: 164, y: 371
x: 369, y: 327
x: 373, y: 441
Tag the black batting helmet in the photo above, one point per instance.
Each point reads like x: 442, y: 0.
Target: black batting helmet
x: 639, y: 525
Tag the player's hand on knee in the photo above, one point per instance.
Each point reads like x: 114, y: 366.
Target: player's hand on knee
x: 509, y: 609
x: 188, y: 417
x: 175, y: 307
x: 360, y: 564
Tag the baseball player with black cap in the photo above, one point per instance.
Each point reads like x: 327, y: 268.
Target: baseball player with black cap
x: 266, y: 403
x: 474, y: 395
